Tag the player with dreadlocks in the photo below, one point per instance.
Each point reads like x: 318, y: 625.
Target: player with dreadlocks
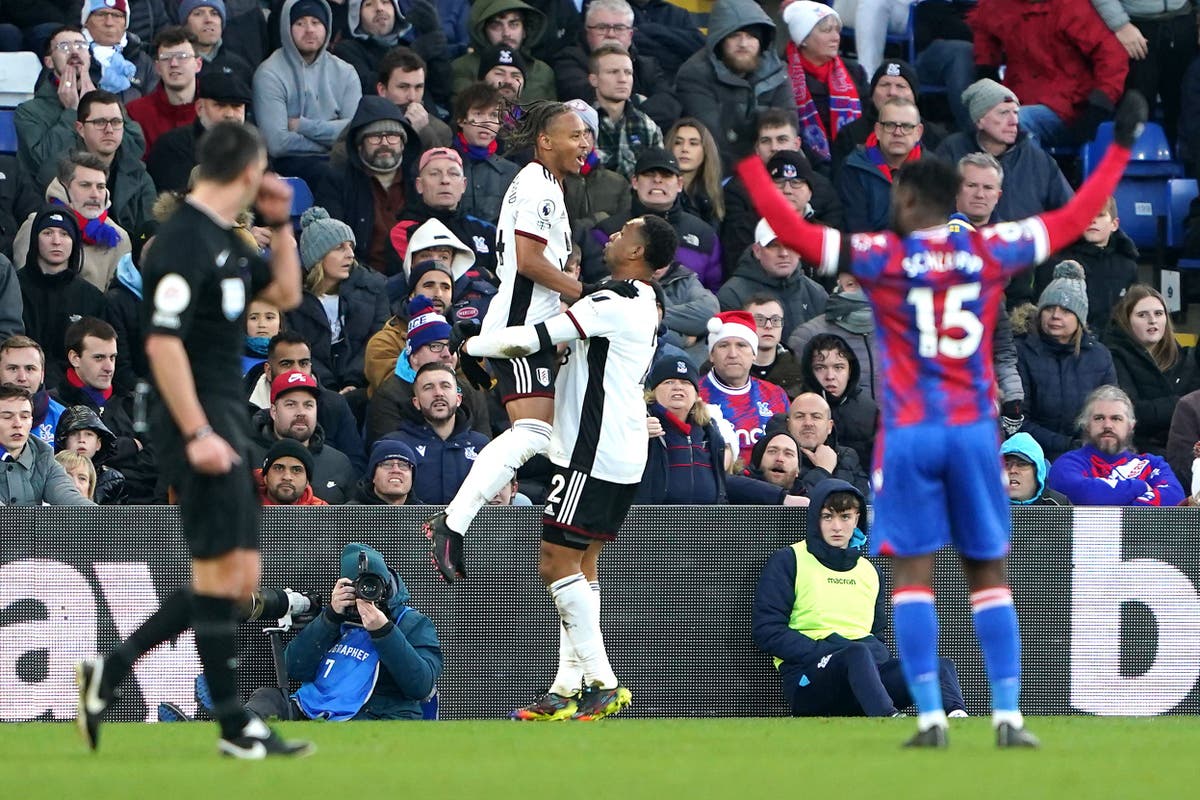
x: 533, y: 241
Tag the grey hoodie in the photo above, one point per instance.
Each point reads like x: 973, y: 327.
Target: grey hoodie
x: 323, y: 95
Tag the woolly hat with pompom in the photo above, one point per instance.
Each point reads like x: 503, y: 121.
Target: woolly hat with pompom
x: 732, y: 324
x: 1068, y: 290
x: 425, y: 324
x: 320, y: 233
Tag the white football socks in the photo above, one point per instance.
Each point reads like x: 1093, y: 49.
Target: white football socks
x: 570, y: 671
x: 494, y: 468
x: 579, y: 612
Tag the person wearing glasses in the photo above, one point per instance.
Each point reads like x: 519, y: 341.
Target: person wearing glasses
x: 609, y: 22
x: 102, y: 126
x: 773, y: 362
x: 172, y: 104
x: 369, y: 191
x: 864, y: 182
x: 120, y: 63
x: 771, y: 267
x: 45, y: 131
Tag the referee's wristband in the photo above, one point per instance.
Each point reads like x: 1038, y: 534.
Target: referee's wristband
x: 200, y: 433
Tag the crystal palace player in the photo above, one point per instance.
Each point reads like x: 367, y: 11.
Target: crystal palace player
x: 937, y: 476
x: 533, y: 241
x: 598, y: 452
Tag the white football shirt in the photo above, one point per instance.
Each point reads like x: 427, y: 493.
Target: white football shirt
x: 533, y: 207
x: 599, y: 413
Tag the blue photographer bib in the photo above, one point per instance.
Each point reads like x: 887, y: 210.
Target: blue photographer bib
x: 345, y: 678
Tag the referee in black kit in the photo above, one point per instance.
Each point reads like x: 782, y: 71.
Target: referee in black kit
x: 198, y: 278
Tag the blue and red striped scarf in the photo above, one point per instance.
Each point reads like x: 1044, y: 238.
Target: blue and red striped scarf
x: 844, y: 105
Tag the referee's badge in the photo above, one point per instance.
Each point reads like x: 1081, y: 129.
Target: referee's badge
x: 233, y: 298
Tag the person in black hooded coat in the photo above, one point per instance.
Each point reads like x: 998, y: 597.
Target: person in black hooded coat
x: 53, y: 295
x: 347, y: 192
x: 110, y: 483
x: 855, y: 412
x: 831, y: 660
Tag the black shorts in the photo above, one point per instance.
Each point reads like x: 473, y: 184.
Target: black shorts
x: 219, y: 513
x: 528, y: 376
x: 581, y: 509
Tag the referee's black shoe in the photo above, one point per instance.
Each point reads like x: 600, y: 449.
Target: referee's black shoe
x: 1009, y: 735
x: 256, y: 741
x: 92, y: 703
x: 446, y: 548
x: 933, y: 736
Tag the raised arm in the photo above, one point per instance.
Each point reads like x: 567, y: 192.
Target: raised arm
x: 816, y: 244
x: 1065, y: 225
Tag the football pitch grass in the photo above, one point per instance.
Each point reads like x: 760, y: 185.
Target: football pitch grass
x: 1081, y: 758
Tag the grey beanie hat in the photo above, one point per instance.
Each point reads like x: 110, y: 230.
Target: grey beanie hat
x: 320, y: 233
x: 1068, y: 290
x: 984, y: 95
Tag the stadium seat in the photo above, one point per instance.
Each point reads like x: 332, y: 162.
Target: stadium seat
x: 1151, y: 156
x: 1180, y: 193
x: 18, y: 74
x: 8, y: 132
x: 302, y: 199
x: 1140, y: 203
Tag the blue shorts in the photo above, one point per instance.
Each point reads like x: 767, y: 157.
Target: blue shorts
x: 937, y: 484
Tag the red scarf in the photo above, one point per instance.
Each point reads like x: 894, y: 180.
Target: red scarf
x: 101, y: 396
x: 844, y: 105
x: 876, y: 156
x: 94, y: 231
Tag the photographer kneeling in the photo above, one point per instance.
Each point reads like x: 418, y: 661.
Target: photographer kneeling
x: 359, y: 659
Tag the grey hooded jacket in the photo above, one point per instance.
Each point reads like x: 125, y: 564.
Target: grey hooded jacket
x: 322, y: 95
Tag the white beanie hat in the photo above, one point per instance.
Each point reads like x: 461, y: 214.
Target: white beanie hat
x: 804, y: 15
x: 733, y: 325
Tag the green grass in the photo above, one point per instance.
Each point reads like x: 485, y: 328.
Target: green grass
x: 744, y: 759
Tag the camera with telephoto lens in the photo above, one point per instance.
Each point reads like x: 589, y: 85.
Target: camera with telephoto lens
x: 288, y: 606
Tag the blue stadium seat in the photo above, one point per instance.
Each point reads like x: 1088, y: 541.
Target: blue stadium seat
x: 8, y: 132
x: 302, y: 198
x: 1140, y: 203
x: 1180, y: 193
x: 1151, y: 157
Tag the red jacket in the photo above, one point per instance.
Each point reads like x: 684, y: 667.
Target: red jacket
x: 306, y: 499
x: 1056, y: 52
x: 157, y: 116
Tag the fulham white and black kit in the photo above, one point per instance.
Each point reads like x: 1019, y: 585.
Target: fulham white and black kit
x: 599, y: 442
x: 534, y: 208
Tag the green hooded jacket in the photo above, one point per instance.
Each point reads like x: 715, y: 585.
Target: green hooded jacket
x: 539, y: 79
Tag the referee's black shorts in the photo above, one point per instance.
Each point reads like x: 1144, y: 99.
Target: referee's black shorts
x: 581, y: 509
x: 528, y: 376
x: 219, y: 513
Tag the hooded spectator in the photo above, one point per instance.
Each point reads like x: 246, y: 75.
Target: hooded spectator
x: 1025, y: 471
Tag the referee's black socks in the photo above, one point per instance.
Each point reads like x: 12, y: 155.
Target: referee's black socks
x: 215, y: 622
x: 173, y: 617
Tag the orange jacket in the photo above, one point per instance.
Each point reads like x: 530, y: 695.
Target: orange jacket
x: 306, y: 499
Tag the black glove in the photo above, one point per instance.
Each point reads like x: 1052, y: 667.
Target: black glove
x: 460, y: 331
x: 446, y: 549
x: 619, y: 288
x: 423, y: 15
x: 475, y: 372
x: 1098, y: 109
x: 1130, y: 118
x: 984, y: 71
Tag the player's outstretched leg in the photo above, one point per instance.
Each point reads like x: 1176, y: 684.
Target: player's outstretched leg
x: 98, y: 678
x: 996, y: 628
x: 494, y: 469
x: 915, y: 620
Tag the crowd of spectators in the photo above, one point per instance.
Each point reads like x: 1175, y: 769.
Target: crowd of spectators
x: 394, y: 112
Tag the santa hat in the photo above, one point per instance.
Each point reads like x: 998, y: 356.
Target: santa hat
x: 736, y: 324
